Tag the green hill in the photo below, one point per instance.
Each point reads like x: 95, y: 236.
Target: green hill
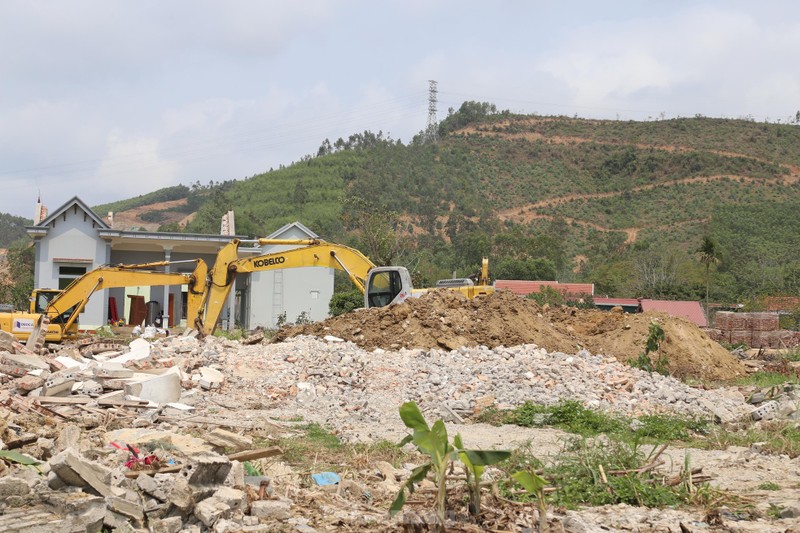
x: 12, y: 229
x: 622, y: 204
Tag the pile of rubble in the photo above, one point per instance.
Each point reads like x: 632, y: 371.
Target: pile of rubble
x: 173, y: 435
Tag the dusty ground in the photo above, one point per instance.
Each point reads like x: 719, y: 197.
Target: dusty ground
x: 130, y: 218
x: 445, y: 319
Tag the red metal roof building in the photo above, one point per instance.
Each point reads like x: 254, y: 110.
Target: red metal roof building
x: 689, y: 310
x: 524, y: 287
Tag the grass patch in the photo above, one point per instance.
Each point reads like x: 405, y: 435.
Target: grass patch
x: 319, y: 449
x: 766, y: 379
x: 603, y: 472
x: 769, y: 485
x: 571, y: 416
x: 780, y: 437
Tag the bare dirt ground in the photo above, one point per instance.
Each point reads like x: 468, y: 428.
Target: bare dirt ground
x: 445, y: 319
x: 130, y: 218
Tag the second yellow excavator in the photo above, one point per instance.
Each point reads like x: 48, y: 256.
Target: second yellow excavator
x: 58, y: 310
x: 381, y: 286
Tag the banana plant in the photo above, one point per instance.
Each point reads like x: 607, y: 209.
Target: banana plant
x: 534, y: 485
x: 433, y: 441
x: 475, y: 462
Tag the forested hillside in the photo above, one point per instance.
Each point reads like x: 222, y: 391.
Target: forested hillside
x: 625, y: 205
x: 12, y: 229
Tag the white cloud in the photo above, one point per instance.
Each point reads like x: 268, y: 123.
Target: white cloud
x: 130, y: 167
x: 605, y: 64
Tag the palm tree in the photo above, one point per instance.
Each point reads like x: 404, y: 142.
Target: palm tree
x: 708, y: 254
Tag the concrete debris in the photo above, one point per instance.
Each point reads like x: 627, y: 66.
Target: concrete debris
x: 210, y: 378
x: 159, y: 388
x: 164, y: 435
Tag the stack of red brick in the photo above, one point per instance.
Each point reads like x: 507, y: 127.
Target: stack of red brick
x: 758, y: 330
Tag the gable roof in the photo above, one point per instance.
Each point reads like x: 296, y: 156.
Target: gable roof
x: 74, y: 201
x: 280, y: 231
x: 685, y: 309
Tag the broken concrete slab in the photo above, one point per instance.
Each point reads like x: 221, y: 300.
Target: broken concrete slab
x: 29, y: 382
x: 163, y: 388
x: 210, y: 510
x: 206, y: 469
x: 210, y: 378
x: 63, y: 362
x: 227, y: 439
x: 178, y: 491
x: 271, y: 509
x: 7, y: 341
x: 184, y: 344
x: 172, y: 524
x: 59, y: 384
x: 236, y: 476
x: 77, y: 471
x: 234, y: 498
x: 23, y: 361
x: 139, y: 351
x: 110, y: 370
x: 126, y: 507
x: 13, y: 486
x: 151, y: 487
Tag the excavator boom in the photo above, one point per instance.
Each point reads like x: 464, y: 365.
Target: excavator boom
x: 71, y: 301
x: 313, y: 253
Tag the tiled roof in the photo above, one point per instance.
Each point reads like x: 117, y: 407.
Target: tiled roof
x: 524, y: 287
x: 689, y: 310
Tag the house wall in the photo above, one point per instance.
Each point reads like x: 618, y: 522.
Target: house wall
x: 291, y: 291
x: 72, y: 237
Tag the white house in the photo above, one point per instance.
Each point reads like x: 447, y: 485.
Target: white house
x: 291, y: 292
x: 73, y: 240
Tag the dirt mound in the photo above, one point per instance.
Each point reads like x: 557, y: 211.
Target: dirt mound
x: 447, y: 320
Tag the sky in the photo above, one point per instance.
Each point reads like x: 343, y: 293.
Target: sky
x: 107, y: 100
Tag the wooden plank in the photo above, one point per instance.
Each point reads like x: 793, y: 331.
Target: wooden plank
x: 251, y: 455
x: 195, y: 419
x: 82, y: 400
x: 63, y: 400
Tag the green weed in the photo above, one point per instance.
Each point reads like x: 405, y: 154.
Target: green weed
x: 766, y: 379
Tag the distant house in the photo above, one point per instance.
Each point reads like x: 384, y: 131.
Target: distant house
x: 689, y: 310
x: 73, y: 240
x: 524, y: 288
x: 628, y: 305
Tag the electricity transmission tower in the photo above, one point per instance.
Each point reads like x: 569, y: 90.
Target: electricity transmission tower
x: 430, y: 130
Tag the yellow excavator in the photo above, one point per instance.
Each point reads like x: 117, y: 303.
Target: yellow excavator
x: 381, y: 286
x: 58, y: 310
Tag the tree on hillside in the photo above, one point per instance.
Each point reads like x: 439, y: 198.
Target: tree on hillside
x: 469, y: 112
x: 526, y: 269
x: 16, y: 286
x: 377, y: 230
x: 708, y: 255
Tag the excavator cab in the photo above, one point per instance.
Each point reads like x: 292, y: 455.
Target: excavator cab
x: 387, y: 285
x: 41, y: 298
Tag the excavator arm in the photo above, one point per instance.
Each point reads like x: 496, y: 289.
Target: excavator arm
x: 75, y: 297
x: 313, y: 253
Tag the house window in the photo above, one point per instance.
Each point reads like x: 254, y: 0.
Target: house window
x: 315, y: 295
x: 68, y: 274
